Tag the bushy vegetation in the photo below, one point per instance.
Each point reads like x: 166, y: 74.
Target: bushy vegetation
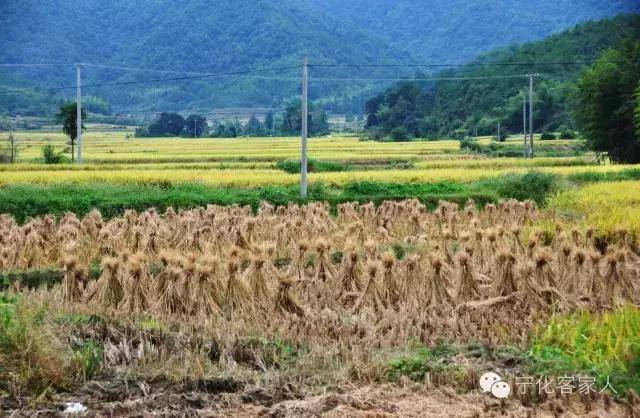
x: 432, y: 109
x: 51, y: 156
x: 313, y: 166
x: 24, y: 201
x: 605, y: 99
x: 516, y: 149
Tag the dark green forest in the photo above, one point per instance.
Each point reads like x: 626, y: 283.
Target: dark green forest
x: 218, y: 37
x: 454, y: 108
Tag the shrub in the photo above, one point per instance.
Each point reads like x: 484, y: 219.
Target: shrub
x: 50, y: 156
x: 566, y: 133
x: 32, y: 357
x: 470, y: 145
x: 547, y: 136
x: 142, y: 132
x: 533, y: 185
x: 399, y: 134
x: 313, y: 166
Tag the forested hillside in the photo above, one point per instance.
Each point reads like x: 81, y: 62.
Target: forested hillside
x: 235, y: 35
x: 458, y: 30
x: 420, y: 108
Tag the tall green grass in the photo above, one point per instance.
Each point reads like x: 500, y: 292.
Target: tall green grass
x: 599, y: 345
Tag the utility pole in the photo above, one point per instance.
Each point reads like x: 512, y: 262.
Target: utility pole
x: 524, y: 122
x: 195, y: 127
x: 305, y: 111
x: 499, y: 132
x: 79, y: 114
x: 531, y: 115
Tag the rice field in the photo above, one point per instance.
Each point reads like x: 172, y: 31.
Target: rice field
x: 214, y: 289
x: 245, y: 177
x: 115, y: 147
x: 301, y: 297
x: 613, y: 208
x: 251, y: 162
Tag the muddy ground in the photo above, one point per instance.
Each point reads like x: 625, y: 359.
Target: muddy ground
x: 230, y: 398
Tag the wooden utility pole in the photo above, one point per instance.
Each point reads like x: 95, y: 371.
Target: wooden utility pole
x: 305, y: 111
x: 79, y: 114
x: 524, y: 122
x: 531, y: 115
x: 499, y: 139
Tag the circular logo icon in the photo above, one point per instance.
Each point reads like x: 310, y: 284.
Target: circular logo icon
x: 488, y: 379
x: 501, y: 390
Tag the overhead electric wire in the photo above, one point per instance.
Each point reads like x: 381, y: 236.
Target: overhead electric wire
x: 149, y: 70
x: 32, y: 65
x: 479, y: 64
x: 249, y: 73
x: 423, y: 79
x: 157, y: 80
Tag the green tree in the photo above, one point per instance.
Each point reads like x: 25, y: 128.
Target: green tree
x: 605, y: 101
x: 167, y: 124
x: 195, y: 126
x: 67, y: 116
x: 268, y: 122
x: 9, y: 149
x: 254, y: 127
x: 638, y: 111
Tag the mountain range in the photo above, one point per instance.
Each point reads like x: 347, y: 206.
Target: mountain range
x: 200, y: 36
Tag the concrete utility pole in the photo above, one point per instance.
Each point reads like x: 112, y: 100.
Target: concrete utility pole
x: 79, y: 114
x: 531, y: 115
x: 524, y: 122
x: 305, y: 111
x: 499, y: 131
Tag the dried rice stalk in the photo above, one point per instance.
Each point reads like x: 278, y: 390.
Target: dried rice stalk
x: 285, y: 301
x: 467, y: 284
x: 74, y: 280
x: 109, y: 290
x: 505, y: 284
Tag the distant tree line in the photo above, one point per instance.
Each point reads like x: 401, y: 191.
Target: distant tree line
x: 437, y: 109
x: 286, y: 123
x: 607, y: 104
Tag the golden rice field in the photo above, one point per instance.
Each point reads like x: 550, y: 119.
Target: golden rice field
x: 610, y: 207
x: 113, y: 157
x: 259, y: 177
x: 114, y: 147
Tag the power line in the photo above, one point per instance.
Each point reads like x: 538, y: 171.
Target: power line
x: 32, y: 65
x: 423, y: 79
x: 159, y: 80
x: 258, y: 77
x: 150, y: 70
x: 534, y: 63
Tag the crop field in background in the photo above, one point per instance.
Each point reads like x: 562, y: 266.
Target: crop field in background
x: 111, y: 157
x: 115, y: 147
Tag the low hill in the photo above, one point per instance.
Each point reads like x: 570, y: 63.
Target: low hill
x: 441, y: 107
